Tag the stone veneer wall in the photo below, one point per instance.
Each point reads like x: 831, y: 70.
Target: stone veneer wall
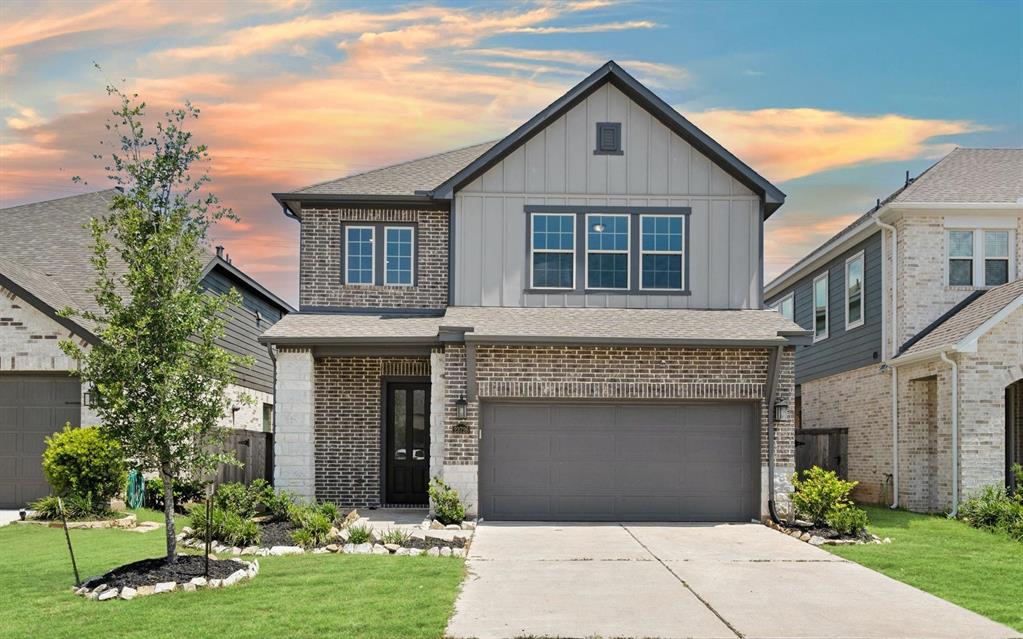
x: 861, y: 401
x: 347, y: 424
x: 321, y: 279
x: 294, y: 443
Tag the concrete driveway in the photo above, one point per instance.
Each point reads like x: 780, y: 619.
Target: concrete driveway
x: 686, y: 580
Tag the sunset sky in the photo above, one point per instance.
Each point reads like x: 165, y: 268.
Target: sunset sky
x: 831, y: 101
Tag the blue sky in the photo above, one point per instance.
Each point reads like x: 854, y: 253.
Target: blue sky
x: 832, y: 101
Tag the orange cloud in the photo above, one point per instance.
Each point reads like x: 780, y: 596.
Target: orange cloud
x: 784, y: 144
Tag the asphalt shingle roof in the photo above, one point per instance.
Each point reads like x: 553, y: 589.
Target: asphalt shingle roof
x: 598, y: 324
x: 422, y: 174
x: 968, y: 319
x: 970, y: 175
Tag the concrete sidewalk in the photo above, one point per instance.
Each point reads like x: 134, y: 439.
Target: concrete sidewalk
x: 687, y: 580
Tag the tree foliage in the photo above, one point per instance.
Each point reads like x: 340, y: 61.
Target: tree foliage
x: 159, y: 376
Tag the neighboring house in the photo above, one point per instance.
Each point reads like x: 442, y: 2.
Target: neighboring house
x: 44, y: 267
x: 564, y: 324
x: 943, y: 327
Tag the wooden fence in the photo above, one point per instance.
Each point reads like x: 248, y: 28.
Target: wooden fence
x: 255, y: 450
x: 825, y: 447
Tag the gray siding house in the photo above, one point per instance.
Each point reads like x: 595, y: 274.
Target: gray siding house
x: 44, y: 267
x: 565, y: 324
x: 929, y: 388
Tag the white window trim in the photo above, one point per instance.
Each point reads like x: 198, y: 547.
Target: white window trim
x: 533, y: 250
x: 373, y: 255
x: 979, y: 256
x: 863, y: 288
x: 626, y: 253
x: 827, y: 307
x: 682, y: 254
x: 412, y: 279
x: 791, y: 297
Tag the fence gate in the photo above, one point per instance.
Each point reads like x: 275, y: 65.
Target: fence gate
x: 824, y: 447
x: 255, y: 450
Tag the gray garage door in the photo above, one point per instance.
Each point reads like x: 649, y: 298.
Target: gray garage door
x: 618, y: 462
x: 31, y: 407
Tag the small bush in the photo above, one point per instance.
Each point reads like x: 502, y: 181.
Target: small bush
x: 224, y: 526
x: 358, y: 534
x: 75, y: 507
x: 996, y: 508
x: 85, y: 461
x: 237, y: 498
x: 185, y: 492
x: 302, y: 537
x: 330, y: 511
x: 396, y: 536
x: 848, y: 520
x: 447, y: 506
x: 819, y: 493
x: 276, y: 503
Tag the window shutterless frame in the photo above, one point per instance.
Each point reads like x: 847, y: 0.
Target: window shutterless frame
x: 590, y: 219
x: 790, y: 301
x: 534, y: 251
x: 849, y: 293
x: 680, y: 253
x: 978, y: 252
x: 372, y: 255
x: 818, y: 306
x: 412, y: 255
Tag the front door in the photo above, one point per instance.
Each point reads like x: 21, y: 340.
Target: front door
x: 407, y: 443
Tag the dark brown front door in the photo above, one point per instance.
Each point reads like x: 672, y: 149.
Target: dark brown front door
x: 407, y: 443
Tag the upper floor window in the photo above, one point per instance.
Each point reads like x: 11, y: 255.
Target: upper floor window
x: 661, y: 252
x: 359, y: 249
x: 787, y: 307
x: 553, y: 251
x: 854, y: 291
x: 399, y: 253
x: 820, y: 307
x: 979, y: 258
x: 607, y: 251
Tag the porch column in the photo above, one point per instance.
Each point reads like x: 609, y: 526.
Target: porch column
x: 438, y: 401
x: 294, y: 439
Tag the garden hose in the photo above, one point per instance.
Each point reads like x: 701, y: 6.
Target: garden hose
x: 136, y: 493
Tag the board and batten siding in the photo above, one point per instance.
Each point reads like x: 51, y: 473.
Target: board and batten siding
x: 241, y: 331
x: 558, y: 167
x: 843, y: 350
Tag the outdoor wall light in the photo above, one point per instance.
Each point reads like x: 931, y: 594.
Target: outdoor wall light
x: 91, y: 397
x: 460, y: 407
x: 781, y: 411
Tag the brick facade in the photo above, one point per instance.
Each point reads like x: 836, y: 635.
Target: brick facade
x: 321, y: 282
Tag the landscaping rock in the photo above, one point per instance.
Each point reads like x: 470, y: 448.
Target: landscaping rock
x: 344, y: 535
x: 805, y: 537
x: 108, y: 594
x: 816, y: 540
x: 189, y: 587
x: 334, y: 533
x: 458, y: 552
x: 402, y: 551
x: 250, y: 550
x: 145, y: 591
x: 415, y: 552
x: 187, y: 531
x: 379, y: 550
x: 468, y: 525
x: 236, y: 551
x: 436, y: 525
x: 82, y: 591
x: 128, y: 593
x: 392, y: 547
x: 433, y: 552
x: 363, y: 549
x: 452, y: 527
x: 348, y: 549
x: 279, y: 551
x: 235, y: 577
x: 352, y: 516
x: 375, y: 536
x: 165, y: 586
x: 418, y: 534
x: 92, y: 595
x: 320, y: 551
x: 100, y: 588
x: 199, y: 582
x: 445, y: 552
x: 216, y: 583
x: 333, y: 547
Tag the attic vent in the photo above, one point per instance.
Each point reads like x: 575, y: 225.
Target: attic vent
x: 609, y: 138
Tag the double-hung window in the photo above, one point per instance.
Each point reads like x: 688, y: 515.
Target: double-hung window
x: 607, y: 251
x: 360, y: 265
x: 661, y: 252
x: 552, y: 244
x: 979, y: 258
x: 399, y: 255
x: 854, y: 291
x: 820, y: 307
x: 786, y: 306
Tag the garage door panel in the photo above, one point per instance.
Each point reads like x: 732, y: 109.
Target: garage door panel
x: 608, y: 462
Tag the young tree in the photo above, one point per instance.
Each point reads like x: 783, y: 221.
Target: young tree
x: 158, y: 375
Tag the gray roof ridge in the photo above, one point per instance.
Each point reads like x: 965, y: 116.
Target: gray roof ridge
x: 58, y: 199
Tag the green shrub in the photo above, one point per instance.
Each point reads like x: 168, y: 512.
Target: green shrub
x: 75, y: 507
x: 358, y: 534
x: 447, y: 506
x: 85, y: 461
x: 848, y: 520
x: 996, y: 508
x: 302, y: 537
x: 819, y: 493
x: 185, y: 492
x: 237, y: 498
x: 396, y: 536
x: 225, y: 526
x: 330, y: 511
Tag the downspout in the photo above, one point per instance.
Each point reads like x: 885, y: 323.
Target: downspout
x: 775, y: 367
x: 893, y: 350
x: 955, y: 432
x: 273, y: 426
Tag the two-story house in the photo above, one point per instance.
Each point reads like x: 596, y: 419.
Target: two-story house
x: 566, y: 324
x: 917, y: 328
x: 44, y: 267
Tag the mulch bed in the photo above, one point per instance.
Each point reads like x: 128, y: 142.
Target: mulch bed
x: 149, y: 572
x: 276, y: 533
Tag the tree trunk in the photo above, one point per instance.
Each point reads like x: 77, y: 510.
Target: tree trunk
x: 168, y: 513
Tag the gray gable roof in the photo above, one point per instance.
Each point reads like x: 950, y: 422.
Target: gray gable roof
x: 970, y: 176
x: 45, y: 249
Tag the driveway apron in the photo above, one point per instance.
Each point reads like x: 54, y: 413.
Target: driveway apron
x: 686, y: 580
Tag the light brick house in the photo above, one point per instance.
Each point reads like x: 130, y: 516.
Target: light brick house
x: 564, y: 324
x: 44, y: 267
x: 918, y: 333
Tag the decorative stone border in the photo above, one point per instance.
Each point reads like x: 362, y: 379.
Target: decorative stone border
x: 104, y: 593
x: 817, y: 540
x: 433, y: 524
x: 128, y: 521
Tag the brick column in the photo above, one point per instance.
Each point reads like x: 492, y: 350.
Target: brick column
x: 294, y: 466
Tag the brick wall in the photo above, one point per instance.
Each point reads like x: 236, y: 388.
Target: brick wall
x: 925, y: 436
x: 321, y: 276
x: 347, y: 424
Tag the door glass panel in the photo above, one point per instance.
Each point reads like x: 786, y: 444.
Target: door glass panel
x: 419, y: 423
x: 398, y: 421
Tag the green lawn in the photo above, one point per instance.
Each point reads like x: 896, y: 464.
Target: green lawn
x: 976, y: 569
x: 304, y: 596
